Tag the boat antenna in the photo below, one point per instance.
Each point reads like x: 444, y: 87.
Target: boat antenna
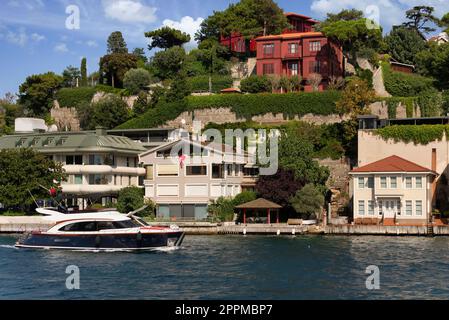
x: 132, y: 213
x: 34, y: 199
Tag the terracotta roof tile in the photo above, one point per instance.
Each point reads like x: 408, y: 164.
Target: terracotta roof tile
x: 392, y: 164
x: 295, y: 35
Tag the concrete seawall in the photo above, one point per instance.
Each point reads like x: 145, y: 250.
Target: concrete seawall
x: 387, y: 230
x: 36, y: 223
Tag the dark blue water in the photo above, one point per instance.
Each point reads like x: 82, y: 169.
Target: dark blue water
x: 237, y: 267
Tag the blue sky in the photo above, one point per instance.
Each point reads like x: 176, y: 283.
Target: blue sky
x: 34, y: 38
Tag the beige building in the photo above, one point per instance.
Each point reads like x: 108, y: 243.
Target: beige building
x: 392, y: 191
x: 98, y: 165
x: 183, y: 182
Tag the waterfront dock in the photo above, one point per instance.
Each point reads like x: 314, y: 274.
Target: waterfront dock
x: 37, y: 223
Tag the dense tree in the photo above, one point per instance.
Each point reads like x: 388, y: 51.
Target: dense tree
x: 280, y: 187
x: 256, y: 84
x: 179, y: 88
x: 9, y: 111
x: 23, y: 171
x: 166, y: 38
x: 296, y: 154
x: 434, y: 62
x: 167, y: 64
x: 141, y: 105
x: 84, y: 72
x: 404, y: 43
x: 37, y: 93
x: 71, y: 76
x: 116, y: 43
x: 142, y: 59
x: 419, y: 17
x: 131, y: 199
x: 109, y: 112
x: 444, y: 23
x: 353, y: 35
x: 113, y: 68
x: 136, y: 79
x: 251, y: 18
x: 213, y: 57
x: 355, y: 100
x: 345, y: 15
x: 308, y: 202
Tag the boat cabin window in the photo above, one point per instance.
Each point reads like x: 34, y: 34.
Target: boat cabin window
x: 100, y: 225
x: 105, y: 225
x: 80, y: 227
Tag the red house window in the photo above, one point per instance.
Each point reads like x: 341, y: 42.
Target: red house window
x: 293, y: 48
x: 315, y: 67
x: 315, y: 46
x: 268, y: 68
x: 268, y: 50
x: 293, y: 68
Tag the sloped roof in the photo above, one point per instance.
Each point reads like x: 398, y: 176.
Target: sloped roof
x: 392, y: 164
x: 259, y: 204
x: 295, y: 35
x: 71, y: 142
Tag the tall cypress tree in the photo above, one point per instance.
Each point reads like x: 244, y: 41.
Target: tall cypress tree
x: 84, y: 72
x: 116, y: 43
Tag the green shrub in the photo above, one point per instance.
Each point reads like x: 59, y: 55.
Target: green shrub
x: 201, y: 83
x: 70, y: 97
x: 131, y: 199
x: 136, y: 79
x: 404, y: 85
x: 430, y: 103
x: 366, y: 75
x: 244, y: 197
x: 256, y: 84
x: 108, y: 89
x: 423, y: 134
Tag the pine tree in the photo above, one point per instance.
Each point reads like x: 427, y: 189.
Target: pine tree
x: 116, y: 43
x: 84, y: 72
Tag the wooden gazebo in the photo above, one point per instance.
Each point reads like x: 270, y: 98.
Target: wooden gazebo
x: 258, y: 205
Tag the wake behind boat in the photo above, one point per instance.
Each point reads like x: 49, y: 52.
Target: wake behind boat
x: 100, y: 231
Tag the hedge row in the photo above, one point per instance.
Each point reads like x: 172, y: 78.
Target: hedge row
x: 423, y: 134
x: 245, y: 106
x: 201, y: 83
x: 162, y: 113
x: 289, y: 104
x: 404, y: 85
x: 71, y: 97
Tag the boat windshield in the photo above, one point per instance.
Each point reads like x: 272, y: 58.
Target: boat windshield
x: 140, y: 221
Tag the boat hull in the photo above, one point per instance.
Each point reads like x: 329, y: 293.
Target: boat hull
x: 126, y: 242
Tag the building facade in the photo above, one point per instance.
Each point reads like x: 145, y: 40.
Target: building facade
x: 98, y: 165
x: 237, y: 43
x: 392, y: 191
x: 183, y: 183
x: 300, y: 55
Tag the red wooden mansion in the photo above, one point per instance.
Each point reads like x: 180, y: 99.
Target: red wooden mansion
x: 298, y: 51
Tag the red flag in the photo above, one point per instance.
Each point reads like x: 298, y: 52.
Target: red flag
x: 182, y: 158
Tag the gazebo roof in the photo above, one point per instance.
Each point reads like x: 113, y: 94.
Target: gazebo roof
x: 259, y: 204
